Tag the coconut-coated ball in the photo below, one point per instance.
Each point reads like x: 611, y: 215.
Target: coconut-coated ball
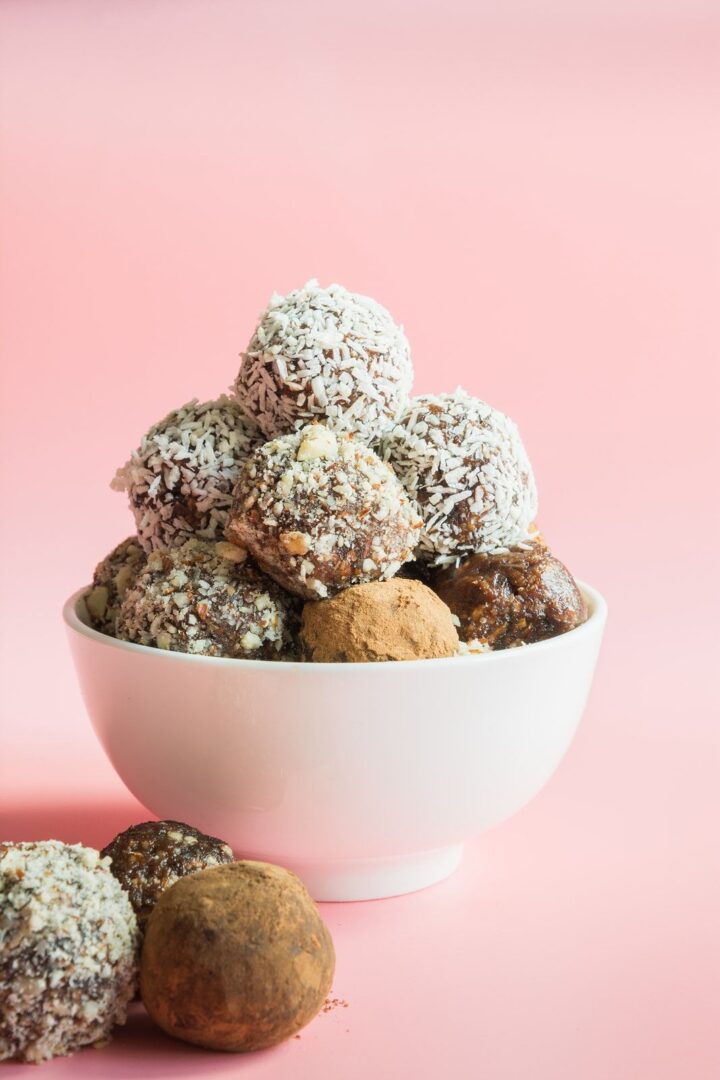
x: 68, y: 950
x: 464, y: 464
x: 236, y: 958
x: 327, y: 355
x: 179, y: 481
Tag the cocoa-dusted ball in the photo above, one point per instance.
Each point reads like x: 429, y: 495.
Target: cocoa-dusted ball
x: 150, y: 857
x: 319, y: 511
x: 512, y: 598
x: 400, y: 619
x: 236, y: 958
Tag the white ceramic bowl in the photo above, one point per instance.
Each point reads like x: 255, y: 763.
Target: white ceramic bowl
x: 365, y: 779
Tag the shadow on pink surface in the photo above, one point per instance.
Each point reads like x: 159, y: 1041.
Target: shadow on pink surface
x: 140, y: 1043
x: 141, y: 1049
x: 87, y: 822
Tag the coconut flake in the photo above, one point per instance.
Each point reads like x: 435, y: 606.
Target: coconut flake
x: 464, y: 464
x: 180, y: 479
x: 325, y: 354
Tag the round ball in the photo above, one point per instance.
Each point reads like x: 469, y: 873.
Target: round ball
x: 466, y: 467
x: 180, y: 479
x: 236, y: 958
x: 150, y: 857
x: 205, y: 598
x: 328, y: 355
x: 111, y: 580
x: 400, y: 619
x: 512, y: 598
x: 320, y: 511
x: 68, y: 950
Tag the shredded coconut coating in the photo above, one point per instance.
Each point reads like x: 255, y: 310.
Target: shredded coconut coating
x: 111, y: 580
x: 320, y: 511
x: 204, y: 598
x: 328, y: 355
x: 464, y: 464
x: 180, y: 479
x: 68, y: 950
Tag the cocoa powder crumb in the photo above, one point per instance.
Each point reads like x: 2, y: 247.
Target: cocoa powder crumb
x: 334, y: 1003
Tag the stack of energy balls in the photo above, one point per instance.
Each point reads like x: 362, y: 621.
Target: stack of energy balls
x: 320, y: 513
x: 230, y: 955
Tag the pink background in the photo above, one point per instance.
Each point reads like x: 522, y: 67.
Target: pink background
x: 533, y: 191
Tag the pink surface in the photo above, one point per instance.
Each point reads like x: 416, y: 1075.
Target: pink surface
x: 535, y: 197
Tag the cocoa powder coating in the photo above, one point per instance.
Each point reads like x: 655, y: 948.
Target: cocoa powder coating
x: 401, y: 619
x: 236, y: 958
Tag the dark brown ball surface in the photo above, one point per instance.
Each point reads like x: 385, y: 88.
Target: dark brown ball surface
x: 148, y: 858
x: 117, y: 572
x: 513, y: 598
x: 236, y: 958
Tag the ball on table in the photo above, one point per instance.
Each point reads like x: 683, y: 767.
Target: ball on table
x: 68, y: 950
x: 236, y: 958
x: 150, y: 857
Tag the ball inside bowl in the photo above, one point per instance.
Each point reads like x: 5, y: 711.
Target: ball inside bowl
x: 364, y: 779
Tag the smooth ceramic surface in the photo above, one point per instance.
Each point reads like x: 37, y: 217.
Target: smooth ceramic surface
x: 363, y: 778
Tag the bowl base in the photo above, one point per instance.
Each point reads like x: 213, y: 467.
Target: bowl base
x: 375, y: 879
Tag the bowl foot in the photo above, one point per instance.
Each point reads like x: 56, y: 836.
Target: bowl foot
x: 374, y: 879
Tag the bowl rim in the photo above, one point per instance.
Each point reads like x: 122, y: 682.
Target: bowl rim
x: 597, y: 614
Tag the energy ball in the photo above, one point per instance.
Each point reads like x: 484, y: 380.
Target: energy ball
x: 320, y: 511
x: 180, y: 479
x: 111, y: 580
x: 205, y: 598
x: 465, y: 465
x: 148, y: 858
x: 236, y: 958
x: 513, y: 598
x: 68, y: 950
x: 400, y: 619
x: 328, y: 355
